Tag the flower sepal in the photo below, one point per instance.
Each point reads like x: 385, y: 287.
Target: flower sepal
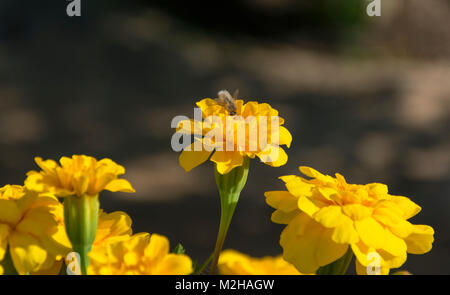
x: 81, y: 221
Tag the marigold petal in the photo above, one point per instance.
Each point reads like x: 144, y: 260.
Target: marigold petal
x: 226, y: 161
x: 345, y: 232
x: 309, y: 249
x: 37, y: 222
x: 4, y: 232
x: 296, y: 186
x: 175, y: 264
x: 285, y: 137
x: 357, y: 211
x: 371, y: 232
x: 119, y: 185
x: 281, y: 200
x: 330, y: 216
x: 421, y: 240
x: 406, y: 206
x: 190, y: 158
x: 158, y: 247
x: 9, y: 212
x: 26, y: 252
x: 307, y: 205
x: 282, y: 217
x: 393, y: 244
x: 274, y: 156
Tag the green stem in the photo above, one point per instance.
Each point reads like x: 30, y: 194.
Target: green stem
x: 8, y: 265
x: 338, y: 267
x: 230, y: 186
x: 203, y: 266
x: 81, y: 220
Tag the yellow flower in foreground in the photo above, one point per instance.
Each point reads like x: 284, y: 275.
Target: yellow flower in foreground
x: 79, y: 175
x: 232, y: 262
x: 228, y: 151
x: 326, y: 215
x: 141, y: 254
x: 27, y: 225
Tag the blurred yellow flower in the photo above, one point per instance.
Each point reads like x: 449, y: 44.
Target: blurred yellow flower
x: 27, y: 226
x: 79, y: 175
x: 232, y: 262
x: 326, y: 215
x: 228, y: 150
x: 140, y: 254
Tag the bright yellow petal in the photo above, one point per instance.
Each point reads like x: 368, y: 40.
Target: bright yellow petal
x: 308, y: 245
x: 285, y: 137
x: 421, y: 240
x: 226, y: 161
x: 345, y: 232
x: 37, y: 222
x: 371, y: 232
x: 273, y: 156
x: 330, y: 216
x: 296, y: 185
x: 119, y: 185
x: 112, y: 225
x: 406, y: 206
x: 282, y: 200
x: 26, y: 253
x: 190, y: 159
x: 4, y: 232
x: 174, y: 264
x: 157, y: 248
x: 307, y: 205
x: 9, y: 212
x: 282, y: 217
x: 357, y: 211
x: 394, y: 245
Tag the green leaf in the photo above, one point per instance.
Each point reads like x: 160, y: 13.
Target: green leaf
x: 179, y: 249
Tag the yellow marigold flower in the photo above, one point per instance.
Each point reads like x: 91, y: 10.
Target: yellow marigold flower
x: 141, y: 254
x: 79, y: 175
x: 27, y: 226
x: 232, y: 262
x: 226, y: 158
x: 326, y: 215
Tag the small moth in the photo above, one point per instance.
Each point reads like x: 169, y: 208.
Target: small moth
x: 227, y: 101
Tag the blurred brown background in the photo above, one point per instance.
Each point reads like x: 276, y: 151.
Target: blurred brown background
x: 366, y: 97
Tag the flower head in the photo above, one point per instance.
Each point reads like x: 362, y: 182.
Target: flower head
x: 232, y: 262
x: 27, y: 227
x: 79, y: 175
x: 325, y: 215
x: 139, y: 254
x: 253, y: 129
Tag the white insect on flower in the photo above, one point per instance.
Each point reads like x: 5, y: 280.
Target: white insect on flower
x: 227, y: 101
